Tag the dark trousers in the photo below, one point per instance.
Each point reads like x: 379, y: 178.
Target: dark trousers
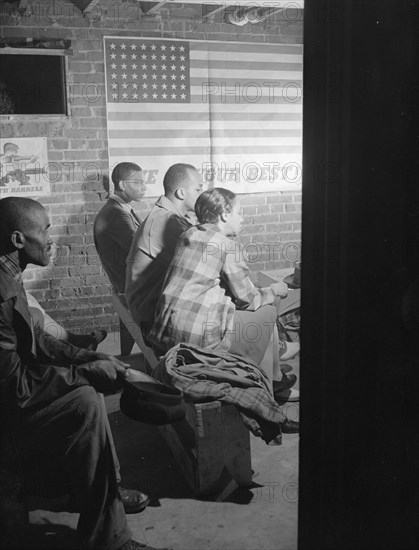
x: 71, y: 434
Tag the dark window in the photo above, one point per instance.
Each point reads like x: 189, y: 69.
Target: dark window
x: 32, y: 84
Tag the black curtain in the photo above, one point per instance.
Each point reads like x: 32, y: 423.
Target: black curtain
x: 359, y: 465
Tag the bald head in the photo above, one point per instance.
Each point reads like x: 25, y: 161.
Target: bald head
x: 182, y: 185
x: 17, y: 214
x: 177, y: 176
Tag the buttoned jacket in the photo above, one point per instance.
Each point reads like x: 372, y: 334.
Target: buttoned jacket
x: 113, y: 231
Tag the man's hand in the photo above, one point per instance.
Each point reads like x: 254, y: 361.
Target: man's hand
x: 280, y: 289
x: 106, y: 373
x: 119, y: 365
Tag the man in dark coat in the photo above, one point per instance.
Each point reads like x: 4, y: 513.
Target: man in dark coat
x: 49, y: 391
x: 116, y: 223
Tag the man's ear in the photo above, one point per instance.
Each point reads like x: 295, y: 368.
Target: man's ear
x: 18, y: 239
x: 180, y: 193
x: 121, y: 185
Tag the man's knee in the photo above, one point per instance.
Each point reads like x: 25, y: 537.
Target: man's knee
x: 88, y: 405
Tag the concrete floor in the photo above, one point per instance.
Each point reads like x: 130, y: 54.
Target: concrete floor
x: 262, y: 517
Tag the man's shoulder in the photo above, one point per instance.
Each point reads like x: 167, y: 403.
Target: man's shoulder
x: 110, y: 212
x: 9, y: 288
x: 110, y: 207
x: 161, y: 215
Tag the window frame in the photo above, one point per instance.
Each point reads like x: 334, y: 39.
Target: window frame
x: 44, y: 51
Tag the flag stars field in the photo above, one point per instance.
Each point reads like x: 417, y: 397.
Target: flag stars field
x: 154, y: 67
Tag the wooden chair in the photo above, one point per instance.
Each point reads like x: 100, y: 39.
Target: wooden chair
x: 134, y: 330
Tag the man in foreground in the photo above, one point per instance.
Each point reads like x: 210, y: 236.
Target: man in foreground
x: 49, y: 393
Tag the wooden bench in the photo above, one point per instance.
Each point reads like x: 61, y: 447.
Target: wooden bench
x: 135, y: 331
x: 212, y: 445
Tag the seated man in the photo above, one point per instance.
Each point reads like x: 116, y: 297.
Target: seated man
x: 116, y: 223
x: 114, y: 229
x: 154, y: 243
x: 49, y: 394
x: 46, y: 330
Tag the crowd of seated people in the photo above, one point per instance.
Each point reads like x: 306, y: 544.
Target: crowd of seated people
x: 186, y: 283
x: 182, y: 283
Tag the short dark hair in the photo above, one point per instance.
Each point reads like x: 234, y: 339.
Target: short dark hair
x: 122, y: 171
x: 176, y: 176
x: 15, y: 214
x: 212, y: 203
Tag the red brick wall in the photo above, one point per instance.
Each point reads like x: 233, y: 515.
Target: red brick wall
x: 74, y: 289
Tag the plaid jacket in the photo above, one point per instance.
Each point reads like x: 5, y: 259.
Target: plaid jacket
x: 206, y: 281
x: 205, y: 376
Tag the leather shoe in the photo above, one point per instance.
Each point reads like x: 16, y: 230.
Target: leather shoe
x: 134, y: 545
x: 134, y: 501
x: 287, y: 381
x: 290, y: 427
x: 292, y: 395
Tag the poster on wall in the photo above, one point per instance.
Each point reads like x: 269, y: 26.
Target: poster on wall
x: 24, y: 167
x: 231, y: 109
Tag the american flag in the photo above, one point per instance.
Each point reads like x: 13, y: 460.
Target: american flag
x: 233, y: 110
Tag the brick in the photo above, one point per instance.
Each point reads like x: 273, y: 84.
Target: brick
x: 89, y: 45
x: 264, y: 218
x: 81, y: 111
x: 79, y: 155
x: 249, y: 229
x: 80, y: 66
x: 97, y: 122
x: 54, y: 156
x: 256, y: 200
x: 291, y: 217
x: 276, y: 199
x: 277, y: 227
x: 70, y: 239
x: 291, y: 207
x: 58, y: 143
x: 82, y: 133
x: 289, y: 237
x: 52, y: 294
x: 277, y: 208
x: 246, y: 210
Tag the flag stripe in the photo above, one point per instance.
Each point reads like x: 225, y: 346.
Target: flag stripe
x: 152, y: 151
x: 263, y: 100
x: 266, y: 82
x: 223, y: 143
x: 192, y: 133
x: 249, y: 66
x: 247, y: 47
